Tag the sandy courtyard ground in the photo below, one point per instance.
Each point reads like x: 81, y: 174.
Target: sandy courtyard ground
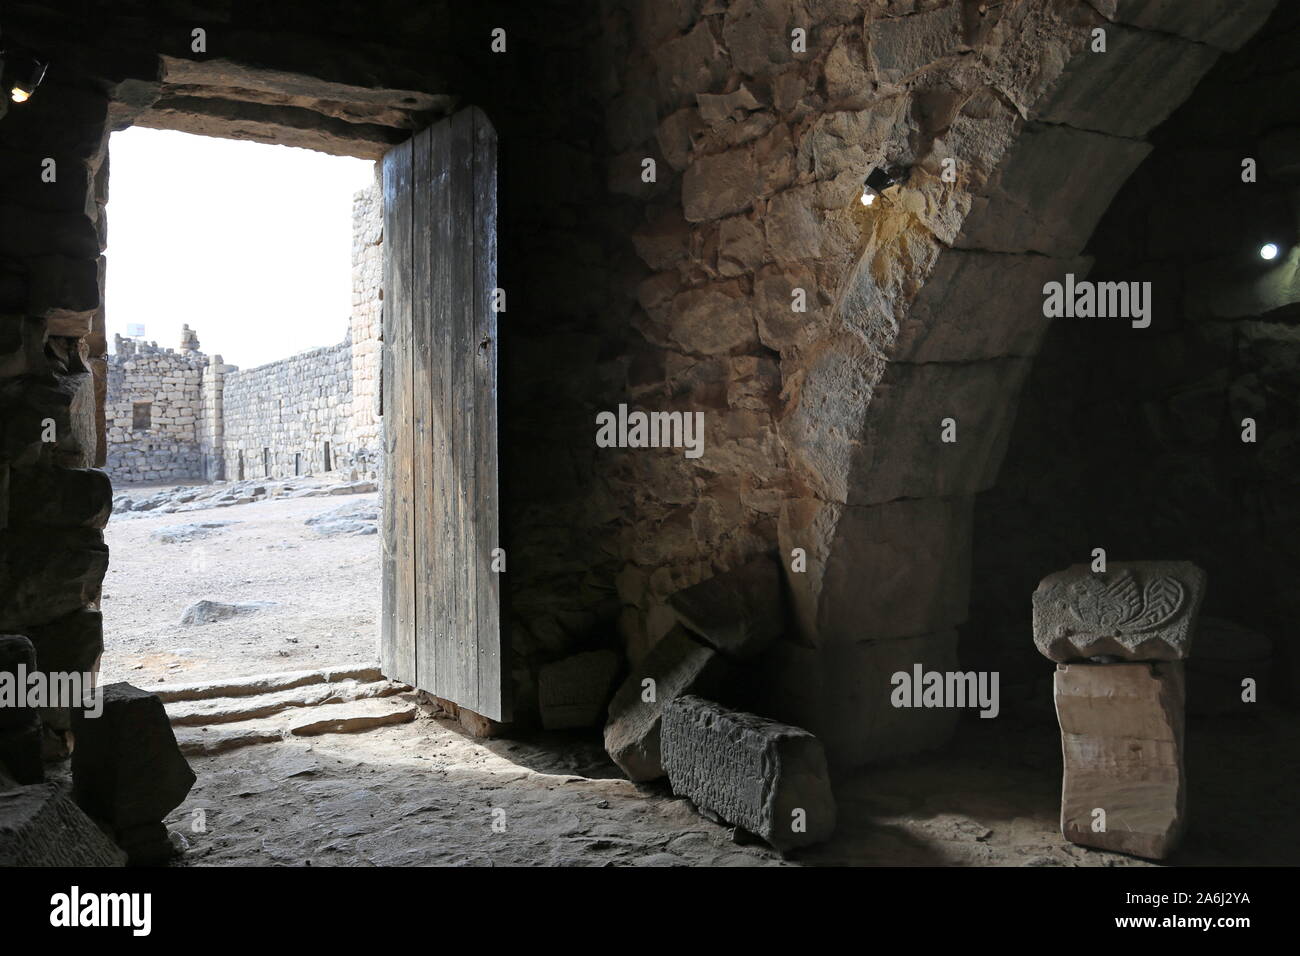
x: 324, y: 591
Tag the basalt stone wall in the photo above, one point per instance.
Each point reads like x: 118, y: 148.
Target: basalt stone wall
x: 823, y: 340
x: 292, y: 417
x: 1131, y: 439
x: 827, y: 341
x: 152, y: 408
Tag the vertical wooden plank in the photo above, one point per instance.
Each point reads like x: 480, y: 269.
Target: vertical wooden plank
x: 440, y: 583
x: 460, y: 256
x: 424, y: 404
x: 493, y: 650
x: 397, y: 636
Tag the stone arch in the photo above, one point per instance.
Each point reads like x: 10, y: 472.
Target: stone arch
x: 941, y: 317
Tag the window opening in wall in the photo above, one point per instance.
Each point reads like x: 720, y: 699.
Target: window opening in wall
x: 328, y: 465
x: 242, y: 303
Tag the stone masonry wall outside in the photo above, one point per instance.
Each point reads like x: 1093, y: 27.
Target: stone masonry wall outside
x: 168, y: 382
x: 209, y: 420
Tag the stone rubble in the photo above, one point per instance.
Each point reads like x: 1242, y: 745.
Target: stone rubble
x: 767, y: 777
x: 128, y: 772
x: 676, y: 665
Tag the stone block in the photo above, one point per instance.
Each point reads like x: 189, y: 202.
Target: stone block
x: 69, y: 645
x: 39, y: 826
x: 20, y: 750
x: 899, y: 46
x: 17, y: 655
x: 47, y: 574
x: 1134, y: 611
x: 1225, y: 24
x: 676, y: 665
x: 903, y: 453
x: 61, y: 498
x: 954, y: 318
x: 737, y: 612
x: 843, y: 695
x: 720, y: 185
x: 127, y: 769
x: 1158, y: 74
x: 878, y: 572
x: 766, y: 777
x: 575, y: 692
x: 1050, y: 191
x: 1122, y: 744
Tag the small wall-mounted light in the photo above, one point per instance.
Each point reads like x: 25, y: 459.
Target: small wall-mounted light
x: 22, y: 74
x: 877, y: 181
x: 1269, y: 250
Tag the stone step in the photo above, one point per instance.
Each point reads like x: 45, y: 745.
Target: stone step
x: 266, y: 683
x: 224, y: 710
x: 338, y: 718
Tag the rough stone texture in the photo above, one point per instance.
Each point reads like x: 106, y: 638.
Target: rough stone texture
x: 766, y: 777
x: 677, y: 665
x: 575, y: 692
x: 20, y: 727
x: 1138, y: 610
x: 153, y: 408
x: 1122, y: 744
x: 126, y: 768
x: 842, y: 694
x: 736, y: 612
x: 314, y: 411
x: 207, y: 612
x: 16, y: 651
x: 887, y: 84
x: 1131, y: 439
x: 39, y: 826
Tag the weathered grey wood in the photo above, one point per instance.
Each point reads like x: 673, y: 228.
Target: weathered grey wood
x: 493, y: 664
x: 448, y: 474
x: 397, y: 634
x: 459, y: 256
x: 427, y: 405
x: 436, y: 578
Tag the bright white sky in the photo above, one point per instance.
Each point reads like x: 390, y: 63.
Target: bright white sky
x: 249, y: 244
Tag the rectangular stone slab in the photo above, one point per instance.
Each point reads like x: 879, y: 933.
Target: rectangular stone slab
x: 575, y: 691
x: 1135, y: 611
x: 1122, y: 745
x: 766, y: 777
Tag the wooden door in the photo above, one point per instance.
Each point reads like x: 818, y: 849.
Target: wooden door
x: 441, y: 628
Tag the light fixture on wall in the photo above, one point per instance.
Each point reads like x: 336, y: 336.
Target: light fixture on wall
x: 880, y: 179
x: 1269, y: 251
x: 22, y: 74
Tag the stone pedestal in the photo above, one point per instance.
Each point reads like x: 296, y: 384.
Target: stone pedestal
x: 1120, y: 638
x: 1125, y: 786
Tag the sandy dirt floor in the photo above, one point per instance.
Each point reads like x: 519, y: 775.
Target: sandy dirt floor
x: 324, y: 591
x: 426, y: 793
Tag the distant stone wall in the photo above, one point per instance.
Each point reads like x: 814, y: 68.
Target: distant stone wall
x: 152, y: 407
x: 291, y: 417
x: 367, y: 311
x: 312, y: 412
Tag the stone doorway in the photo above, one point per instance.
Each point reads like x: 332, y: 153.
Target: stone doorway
x: 219, y: 574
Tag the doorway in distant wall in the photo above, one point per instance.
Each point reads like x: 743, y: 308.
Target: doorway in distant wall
x: 244, y: 448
